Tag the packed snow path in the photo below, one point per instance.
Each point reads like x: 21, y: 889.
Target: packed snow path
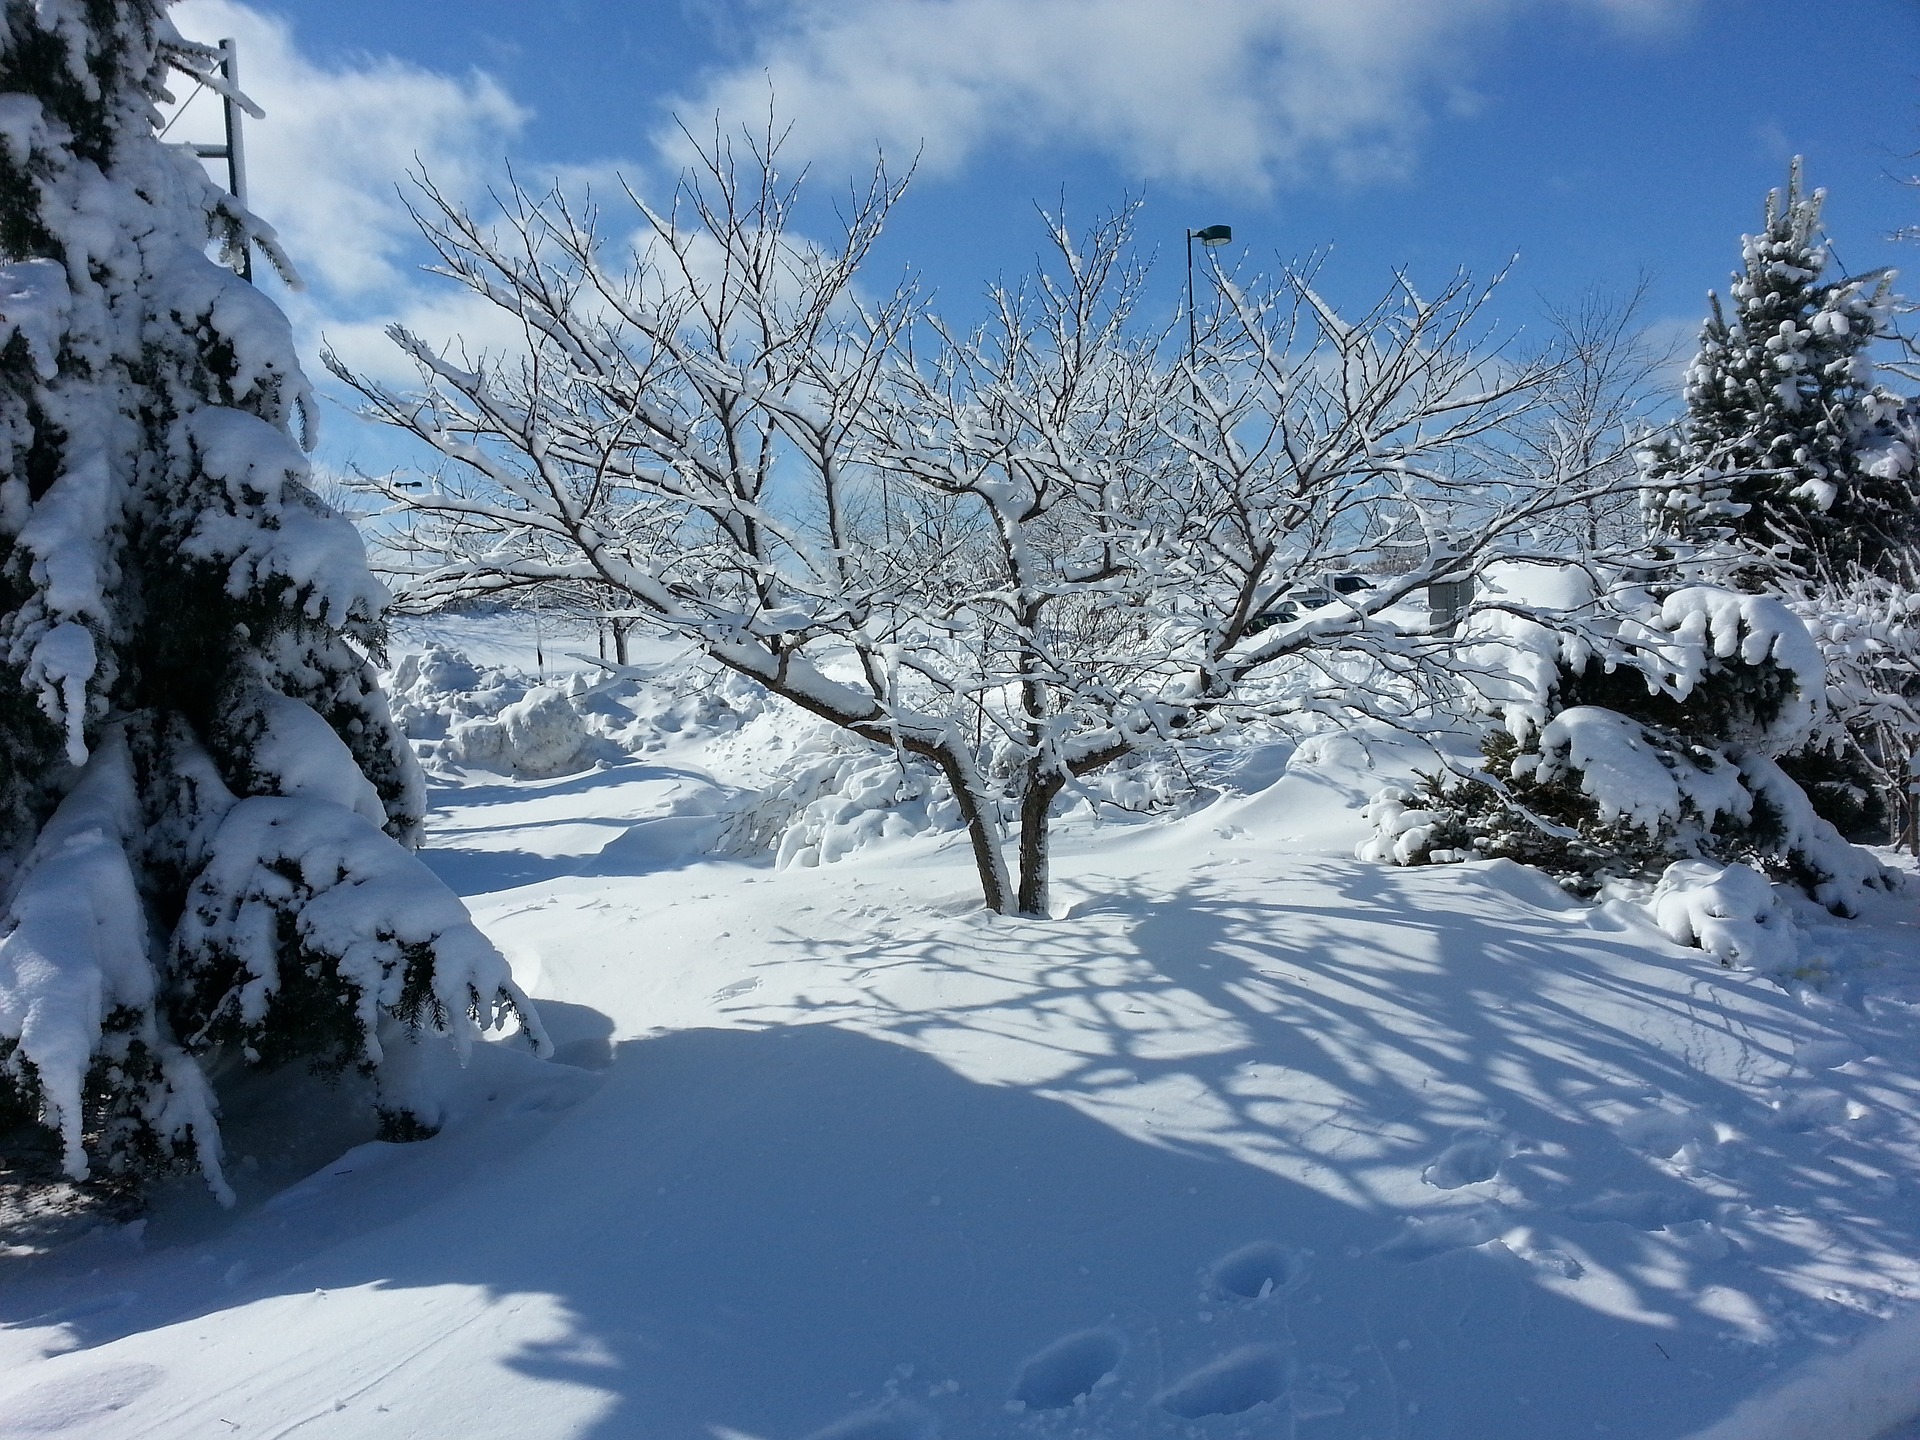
x: 1255, y: 1139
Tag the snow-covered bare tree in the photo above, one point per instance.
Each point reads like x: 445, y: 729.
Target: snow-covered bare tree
x: 1020, y: 553
x: 206, y: 813
x: 1607, y: 382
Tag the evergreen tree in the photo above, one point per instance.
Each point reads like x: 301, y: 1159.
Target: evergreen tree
x: 1788, y: 449
x: 206, y: 811
x: 1637, y: 730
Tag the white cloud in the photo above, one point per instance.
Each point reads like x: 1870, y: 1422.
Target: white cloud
x: 328, y: 168
x: 1221, y: 93
x: 325, y: 166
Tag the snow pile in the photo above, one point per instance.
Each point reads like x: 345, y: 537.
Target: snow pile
x: 433, y: 689
x: 539, y: 735
x: 485, y: 717
x: 1727, y: 910
x: 460, y: 713
x: 1859, y: 1394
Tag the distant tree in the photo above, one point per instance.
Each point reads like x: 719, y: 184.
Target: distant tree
x: 1789, y: 450
x: 205, y: 810
x: 1607, y: 379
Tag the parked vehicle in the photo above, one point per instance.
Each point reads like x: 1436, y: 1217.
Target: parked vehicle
x: 1298, y: 600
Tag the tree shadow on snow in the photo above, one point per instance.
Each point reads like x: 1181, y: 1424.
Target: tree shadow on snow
x: 1199, y: 1205
x: 779, y: 1231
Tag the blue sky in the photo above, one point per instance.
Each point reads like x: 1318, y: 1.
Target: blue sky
x: 1595, y: 138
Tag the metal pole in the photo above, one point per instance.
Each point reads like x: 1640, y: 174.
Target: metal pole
x: 1913, y: 803
x: 1193, y: 342
x: 236, y: 143
x: 234, y: 152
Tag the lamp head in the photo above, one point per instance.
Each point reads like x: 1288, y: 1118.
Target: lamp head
x: 1214, y: 235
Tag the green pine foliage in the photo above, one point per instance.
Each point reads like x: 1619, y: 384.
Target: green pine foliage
x: 1789, y: 450
x: 206, y: 811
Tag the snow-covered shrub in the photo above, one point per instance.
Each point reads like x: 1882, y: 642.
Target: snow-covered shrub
x: 1868, y: 634
x: 1636, y: 733
x: 205, y: 806
x: 831, y: 796
x: 1727, y: 910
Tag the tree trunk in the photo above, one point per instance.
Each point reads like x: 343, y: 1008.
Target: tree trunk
x: 982, y: 831
x: 1036, y: 807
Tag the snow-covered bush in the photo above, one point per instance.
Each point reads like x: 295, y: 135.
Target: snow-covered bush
x: 1868, y: 634
x: 1635, y: 732
x: 829, y: 796
x: 205, y: 806
x: 1727, y: 910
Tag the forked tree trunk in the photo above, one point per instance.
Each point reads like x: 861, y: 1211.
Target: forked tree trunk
x: 983, y: 832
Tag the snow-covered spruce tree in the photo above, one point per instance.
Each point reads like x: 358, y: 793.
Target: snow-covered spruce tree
x: 205, y: 810
x: 1789, y: 450
x: 1634, y: 731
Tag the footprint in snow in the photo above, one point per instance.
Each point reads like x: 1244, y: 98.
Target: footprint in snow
x: 1665, y: 1133
x: 1249, y: 1376
x: 1068, y: 1369
x: 1687, y: 1220
x: 1826, y: 1054
x: 1474, y: 1157
x: 736, y: 989
x: 891, y: 1420
x: 1256, y: 1271
x: 1422, y: 1237
x: 1812, y: 1109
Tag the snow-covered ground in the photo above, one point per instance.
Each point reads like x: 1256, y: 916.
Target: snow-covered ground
x: 1252, y: 1139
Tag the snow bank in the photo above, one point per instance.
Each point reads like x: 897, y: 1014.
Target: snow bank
x: 1860, y: 1394
x: 539, y: 735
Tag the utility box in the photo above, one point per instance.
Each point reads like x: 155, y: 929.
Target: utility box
x: 1447, y: 602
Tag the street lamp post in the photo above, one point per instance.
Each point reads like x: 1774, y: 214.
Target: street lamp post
x: 1212, y: 237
